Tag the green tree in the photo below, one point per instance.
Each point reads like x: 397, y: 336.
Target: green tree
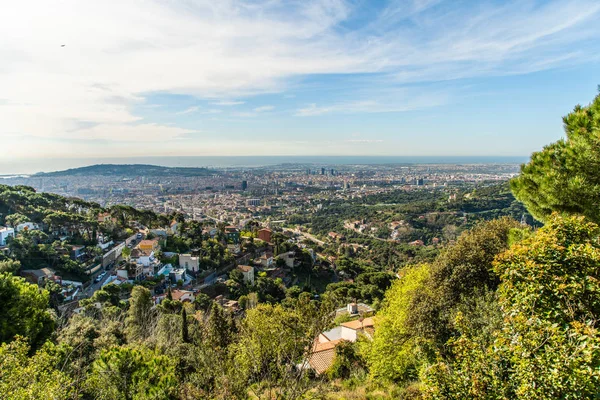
x: 24, y: 377
x: 24, y: 311
x: 126, y: 253
x: 219, y: 329
x: 564, y: 176
x: 346, y: 361
x: 184, y: 326
x: 10, y: 266
x: 132, y: 373
x: 391, y: 356
x: 546, y: 344
x: 272, y: 341
x: 140, y: 316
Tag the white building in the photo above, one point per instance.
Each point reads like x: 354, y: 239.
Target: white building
x: 248, y: 273
x: 6, y: 233
x: 27, y: 226
x: 189, y: 262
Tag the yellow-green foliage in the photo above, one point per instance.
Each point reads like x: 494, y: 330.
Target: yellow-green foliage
x: 392, y: 353
x: 548, y: 346
x: 31, y: 378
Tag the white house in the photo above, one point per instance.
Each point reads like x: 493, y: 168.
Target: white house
x: 351, y: 329
x: 248, y: 273
x: 27, y: 226
x: 189, y: 262
x: 288, y: 258
x: 266, y: 259
x: 178, y: 274
x: 5, y: 233
x: 143, y: 257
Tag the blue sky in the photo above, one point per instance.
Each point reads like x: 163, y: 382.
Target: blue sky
x: 268, y: 77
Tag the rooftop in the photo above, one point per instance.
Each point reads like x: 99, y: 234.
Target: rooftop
x: 358, y: 324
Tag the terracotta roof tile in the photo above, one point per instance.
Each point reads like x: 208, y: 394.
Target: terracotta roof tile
x: 357, y: 324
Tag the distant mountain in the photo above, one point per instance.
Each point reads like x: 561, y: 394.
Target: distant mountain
x: 129, y: 170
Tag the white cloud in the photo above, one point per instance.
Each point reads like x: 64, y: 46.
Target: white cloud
x: 364, y: 141
x: 228, y: 103
x: 264, y: 109
x: 117, y: 53
x: 398, y: 101
x: 189, y: 110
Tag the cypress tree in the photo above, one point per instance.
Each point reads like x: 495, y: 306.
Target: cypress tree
x: 184, y: 326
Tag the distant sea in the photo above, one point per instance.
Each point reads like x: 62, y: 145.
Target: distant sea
x: 49, y: 165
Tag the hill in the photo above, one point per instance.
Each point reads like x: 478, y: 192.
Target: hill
x: 129, y: 170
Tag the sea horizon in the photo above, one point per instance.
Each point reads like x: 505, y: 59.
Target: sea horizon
x: 31, y: 167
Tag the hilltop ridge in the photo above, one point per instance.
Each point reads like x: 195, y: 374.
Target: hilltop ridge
x: 129, y: 170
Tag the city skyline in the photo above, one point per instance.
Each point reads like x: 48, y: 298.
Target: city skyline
x: 420, y: 78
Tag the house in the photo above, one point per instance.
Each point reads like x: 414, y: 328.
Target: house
x: 183, y: 295
x: 27, y: 226
x: 322, y: 355
x: 131, y: 272
x: 77, y: 252
x: 106, y: 217
x: 149, y: 244
x: 143, y: 257
x: 324, y: 345
x: 38, y: 276
x: 418, y: 243
x: 161, y: 233
x: 248, y: 273
x: 173, y: 274
x: 234, y: 248
x: 189, y: 262
x: 335, y: 236
x: 173, y: 227
x: 178, y: 274
x: 266, y: 260
x: 265, y: 234
x: 355, y: 309
x: 5, y: 233
x: 233, y: 234
x: 351, y: 329
x: 289, y: 258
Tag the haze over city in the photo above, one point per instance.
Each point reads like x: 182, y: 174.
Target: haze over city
x: 203, y: 78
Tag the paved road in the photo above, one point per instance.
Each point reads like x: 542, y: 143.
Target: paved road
x: 89, y: 291
x: 305, y: 235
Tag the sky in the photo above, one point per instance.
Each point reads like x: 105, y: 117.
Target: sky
x: 140, y: 78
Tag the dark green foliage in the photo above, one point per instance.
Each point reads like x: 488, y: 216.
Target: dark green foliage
x: 185, y: 338
x: 461, y: 270
x: 564, y: 176
x: 24, y: 311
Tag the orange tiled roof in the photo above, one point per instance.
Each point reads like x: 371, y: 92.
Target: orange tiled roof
x: 178, y: 294
x: 323, y: 355
x: 357, y: 324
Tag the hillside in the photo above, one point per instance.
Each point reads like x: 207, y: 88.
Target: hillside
x: 129, y: 170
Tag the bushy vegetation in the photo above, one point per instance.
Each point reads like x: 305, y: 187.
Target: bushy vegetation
x: 502, y: 311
